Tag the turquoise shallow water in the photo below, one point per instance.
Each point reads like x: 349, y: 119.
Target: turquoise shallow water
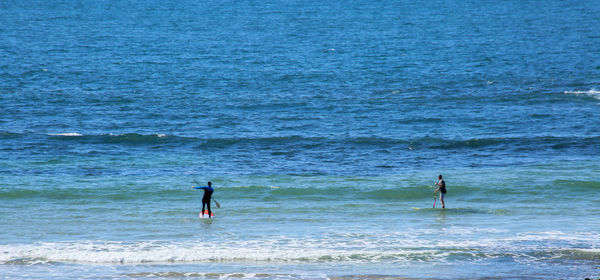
x: 321, y: 126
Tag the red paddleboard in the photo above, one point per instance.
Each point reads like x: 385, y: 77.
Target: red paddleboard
x: 212, y: 214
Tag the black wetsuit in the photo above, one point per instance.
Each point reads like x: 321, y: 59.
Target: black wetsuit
x: 208, y: 191
x: 442, y: 185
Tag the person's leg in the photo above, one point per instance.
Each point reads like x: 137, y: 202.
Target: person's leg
x: 209, y: 213
x: 203, y: 208
x: 442, y: 195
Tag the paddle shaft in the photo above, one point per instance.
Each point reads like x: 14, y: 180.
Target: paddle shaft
x: 434, y: 198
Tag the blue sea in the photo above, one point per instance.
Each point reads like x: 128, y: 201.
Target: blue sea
x: 323, y: 126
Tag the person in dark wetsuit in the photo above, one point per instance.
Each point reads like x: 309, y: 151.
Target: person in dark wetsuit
x: 208, y: 191
x: 442, y: 189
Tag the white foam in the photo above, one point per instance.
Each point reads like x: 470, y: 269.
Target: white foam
x: 154, y: 252
x: 353, y: 248
x: 592, y: 93
x: 68, y: 134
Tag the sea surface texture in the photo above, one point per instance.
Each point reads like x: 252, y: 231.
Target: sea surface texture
x: 322, y: 125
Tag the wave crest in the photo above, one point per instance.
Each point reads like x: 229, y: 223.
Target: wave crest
x: 591, y: 93
x: 334, y: 248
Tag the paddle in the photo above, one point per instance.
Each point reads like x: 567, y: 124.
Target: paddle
x: 217, y: 203
x: 434, y: 198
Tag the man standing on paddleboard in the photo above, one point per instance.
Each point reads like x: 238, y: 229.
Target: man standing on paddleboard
x: 208, y: 191
x: 442, y: 189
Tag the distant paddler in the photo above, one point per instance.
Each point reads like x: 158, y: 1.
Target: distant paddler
x: 208, y: 191
x: 442, y: 189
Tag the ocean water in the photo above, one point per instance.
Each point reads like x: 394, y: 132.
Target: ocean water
x: 322, y: 125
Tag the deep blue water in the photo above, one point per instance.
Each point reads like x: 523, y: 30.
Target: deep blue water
x: 321, y: 124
